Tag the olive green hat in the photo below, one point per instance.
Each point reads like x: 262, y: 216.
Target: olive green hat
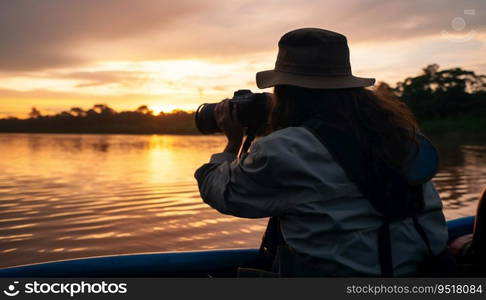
x: 312, y: 58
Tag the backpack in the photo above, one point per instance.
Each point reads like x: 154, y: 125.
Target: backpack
x: 395, y: 196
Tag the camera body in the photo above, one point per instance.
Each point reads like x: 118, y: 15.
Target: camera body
x: 251, y: 110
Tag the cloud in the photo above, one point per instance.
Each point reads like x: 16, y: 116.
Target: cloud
x: 127, y: 79
x: 7, y: 94
x: 49, y: 34
x: 52, y: 33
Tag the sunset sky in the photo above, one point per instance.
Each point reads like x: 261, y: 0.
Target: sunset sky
x: 56, y: 54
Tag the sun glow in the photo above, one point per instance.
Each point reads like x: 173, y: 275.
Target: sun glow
x: 167, y: 108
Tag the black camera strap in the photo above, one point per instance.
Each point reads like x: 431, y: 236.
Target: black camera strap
x: 250, y: 136
x: 251, y: 133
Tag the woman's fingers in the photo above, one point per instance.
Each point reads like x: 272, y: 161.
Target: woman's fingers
x: 224, y: 118
x: 227, y: 111
x: 229, y: 125
x: 220, y: 114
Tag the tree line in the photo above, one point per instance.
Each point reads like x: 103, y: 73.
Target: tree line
x: 103, y: 119
x: 432, y: 95
x: 441, y: 94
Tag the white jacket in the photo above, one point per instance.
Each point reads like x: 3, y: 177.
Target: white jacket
x: 290, y: 173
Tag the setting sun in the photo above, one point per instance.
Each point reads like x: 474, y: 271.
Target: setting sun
x: 167, y: 108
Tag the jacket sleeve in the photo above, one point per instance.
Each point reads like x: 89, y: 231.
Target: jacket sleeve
x: 246, y: 187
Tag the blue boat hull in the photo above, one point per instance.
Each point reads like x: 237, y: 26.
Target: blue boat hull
x: 217, y: 263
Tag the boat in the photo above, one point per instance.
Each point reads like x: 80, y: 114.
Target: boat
x: 208, y: 263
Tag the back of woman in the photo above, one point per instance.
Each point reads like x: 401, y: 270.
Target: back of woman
x: 332, y: 187
x: 335, y: 214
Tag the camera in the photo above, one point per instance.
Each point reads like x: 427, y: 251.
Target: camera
x: 251, y: 110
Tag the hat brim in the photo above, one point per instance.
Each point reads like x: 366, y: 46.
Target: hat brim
x: 271, y: 78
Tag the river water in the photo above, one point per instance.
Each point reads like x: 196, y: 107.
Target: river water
x: 67, y: 196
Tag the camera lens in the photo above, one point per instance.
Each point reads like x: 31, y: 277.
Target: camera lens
x: 250, y: 109
x: 205, y: 121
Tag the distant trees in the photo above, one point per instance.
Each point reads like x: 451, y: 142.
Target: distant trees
x: 144, y: 110
x: 102, y: 119
x: 34, y: 113
x: 444, y: 93
x: 78, y: 112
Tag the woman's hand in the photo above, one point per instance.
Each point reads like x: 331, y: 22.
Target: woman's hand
x: 229, y: 126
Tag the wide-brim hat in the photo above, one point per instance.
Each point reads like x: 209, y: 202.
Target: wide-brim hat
x: 312, y: 58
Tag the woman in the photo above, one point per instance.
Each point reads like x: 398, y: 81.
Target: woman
x: 344, y: 169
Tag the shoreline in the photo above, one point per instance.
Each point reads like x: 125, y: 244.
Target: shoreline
x: 466, y: 126
x: 106, y: 133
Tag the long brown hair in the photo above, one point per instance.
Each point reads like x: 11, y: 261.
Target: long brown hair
x: 384, y: 126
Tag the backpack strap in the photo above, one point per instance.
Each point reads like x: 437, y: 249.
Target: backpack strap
x: 272, y: 238
x: 384, y: 250
x: 384, y: 245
